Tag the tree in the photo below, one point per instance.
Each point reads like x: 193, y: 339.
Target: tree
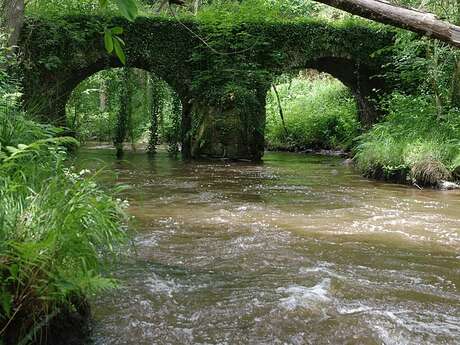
x: 156, y: 107
x: 407, y: 18
x: 12, y: 15
x: 12, y: 19
x: 124, y: 114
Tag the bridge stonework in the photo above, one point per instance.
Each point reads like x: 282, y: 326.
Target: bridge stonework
x: 222, y: 83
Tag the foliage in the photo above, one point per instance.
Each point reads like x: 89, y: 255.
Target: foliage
x: 57, y: 227
x: 233, y: 12
x: 408, y: 146
x: 94, y: 109
x: 319, y: 113
x: 445, y: 9
x: 267, y: 10
x: 419, y: 139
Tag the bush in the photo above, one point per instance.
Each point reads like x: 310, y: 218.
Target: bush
x: 319, y: 114
x: 413, y: 143
x: 56, y: 226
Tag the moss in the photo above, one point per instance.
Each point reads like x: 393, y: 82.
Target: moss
x: 59, y: 52
x: 230, y: 61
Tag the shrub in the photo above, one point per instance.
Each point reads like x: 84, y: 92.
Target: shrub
x: 319, y: 113
x: 412, y: 143
x: 56, y: 226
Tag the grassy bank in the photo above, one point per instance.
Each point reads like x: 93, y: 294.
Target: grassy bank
x: 319, y: 113
x: 58, y: 230
x: 413, y: 144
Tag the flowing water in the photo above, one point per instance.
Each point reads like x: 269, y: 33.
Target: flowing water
x: 297, y: 250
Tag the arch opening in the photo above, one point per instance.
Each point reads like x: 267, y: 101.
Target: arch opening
x: 125, y: 107
x: 311, y: 111
x: 361, y: 78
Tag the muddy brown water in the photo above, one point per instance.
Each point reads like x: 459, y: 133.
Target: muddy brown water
x: 297, y: 250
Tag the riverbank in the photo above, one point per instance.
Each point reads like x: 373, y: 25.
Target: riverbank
x: 401, y: 176
x: 412, y: 144
x: 416, y: 142
x: 59, y: 230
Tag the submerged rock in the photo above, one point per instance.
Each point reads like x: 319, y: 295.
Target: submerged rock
x: 447, y: 185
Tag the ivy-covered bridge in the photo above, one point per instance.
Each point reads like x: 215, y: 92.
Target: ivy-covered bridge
x: 222, y: 80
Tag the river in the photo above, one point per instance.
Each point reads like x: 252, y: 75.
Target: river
x: 298, y: 250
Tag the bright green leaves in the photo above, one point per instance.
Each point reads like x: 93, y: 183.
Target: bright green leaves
x: 127, y: 8
x: 117, y: 43
x: 113, y: 43
x: 108, y: 41
x: 117, y: 30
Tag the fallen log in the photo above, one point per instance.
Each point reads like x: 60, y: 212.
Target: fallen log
x: 424, y: 23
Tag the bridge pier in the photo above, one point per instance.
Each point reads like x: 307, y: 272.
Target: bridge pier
x: 232, y: 128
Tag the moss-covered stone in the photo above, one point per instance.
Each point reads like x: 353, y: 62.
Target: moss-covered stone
x: 221, y: 82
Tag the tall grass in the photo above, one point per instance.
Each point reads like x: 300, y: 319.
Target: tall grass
x: 319, y: 113
x: 58, y: 229
x: 413, y: 143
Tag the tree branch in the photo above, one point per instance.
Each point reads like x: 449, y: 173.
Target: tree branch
x: 407, y: 18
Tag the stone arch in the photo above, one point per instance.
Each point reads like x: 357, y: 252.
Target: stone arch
x: 88, y: 72
x: 57, y: 89
x: 57, y: 58
x: 361, y: 78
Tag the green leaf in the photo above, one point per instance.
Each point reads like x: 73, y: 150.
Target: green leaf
x: 6, y: 302
x: 120, y: 40
x: 119, y: 52
x: 108, y: 41
x: 103, y: 3
x: 14, y: 270
x: 128, y: 8
x: 11, y: 149
x: 117, y: 30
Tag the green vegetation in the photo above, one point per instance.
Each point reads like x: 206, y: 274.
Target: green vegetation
x: 57, y: 227
x: 412, y: 144
x: 215, y: 60
x: 319, y: 113
x: 119, y: 105
x: 418, y: 140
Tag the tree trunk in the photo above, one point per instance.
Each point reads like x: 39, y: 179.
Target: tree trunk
x: 411, y: 19
x: 12, y: 19
x: 186, y: 126
x: 103, y: 96
x: 455, y: 98
x: 156, y: 106
x: 280, y: 109
x: 196, y: 6
x: 122, y: 125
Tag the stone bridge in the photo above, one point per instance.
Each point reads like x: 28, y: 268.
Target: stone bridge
x: 220, y: 72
